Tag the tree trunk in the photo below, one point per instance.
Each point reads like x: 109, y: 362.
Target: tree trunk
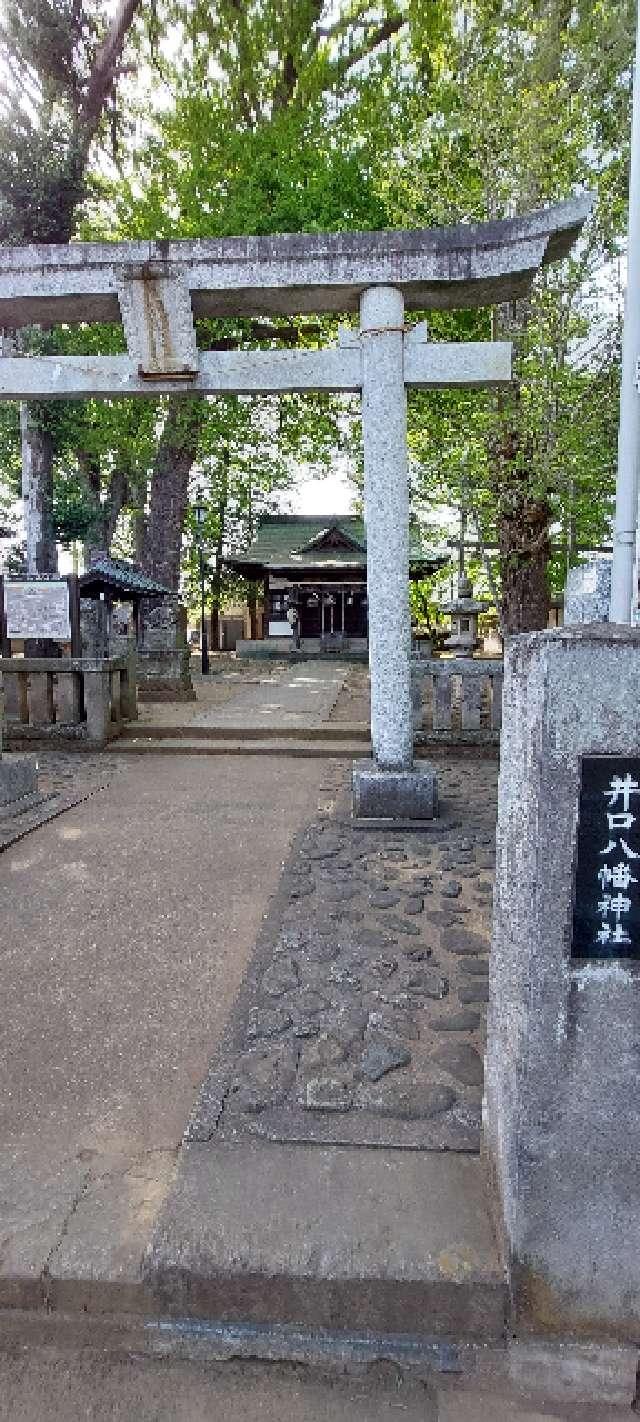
x: 86, y: 115
x: 252, y: 602
x: 37, y: 492
x: 139, y: 535
x: 116, y: 500
x: 172, y: 466
x: 523, y: 534
x: 216, y: 591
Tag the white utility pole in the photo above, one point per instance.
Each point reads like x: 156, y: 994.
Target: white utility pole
x: 623, y: 573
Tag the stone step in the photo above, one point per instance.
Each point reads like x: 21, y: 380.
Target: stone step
x: 338, y: 731
x: 284, y: 1251
x: 385, y: 1241
x: 213, y: 745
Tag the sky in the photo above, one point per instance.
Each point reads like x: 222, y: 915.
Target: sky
x: 330, y: 494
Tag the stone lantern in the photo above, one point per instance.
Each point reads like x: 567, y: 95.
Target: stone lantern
x: 464, y: 611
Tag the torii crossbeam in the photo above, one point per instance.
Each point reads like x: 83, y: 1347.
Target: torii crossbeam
x: 157, y: 288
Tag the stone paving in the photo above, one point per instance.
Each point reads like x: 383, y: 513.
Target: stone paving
x: 353, y: 702
x: 254, y: 694
x: 287, y: 694
x: 362, y: 1019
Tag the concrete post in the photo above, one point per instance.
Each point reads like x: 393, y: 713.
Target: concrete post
x: 562, y: 1124
x: 68, y: 698
x: 18, y: 775
x: 40, y: 693
x: 386, y: 507
x: 128, y: 685
x: 97, y: 704
x: 587, y: 593
x: 389, y: 787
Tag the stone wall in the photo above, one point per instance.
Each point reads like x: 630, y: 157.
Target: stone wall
x: 562, y: 1125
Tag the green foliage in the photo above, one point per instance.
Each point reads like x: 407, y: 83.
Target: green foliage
x: 58, y: 84
x: 266, y: 117
x: 270, y: 131
x: 532, y: 105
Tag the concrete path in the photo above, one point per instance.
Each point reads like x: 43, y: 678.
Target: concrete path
x: 255, y: 695
x: 127, y: 925
x: 304, y: 694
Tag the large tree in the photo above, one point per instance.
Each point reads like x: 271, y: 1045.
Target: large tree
x: 61, y: 61
x: 274, y: 107
x: 533, y: 106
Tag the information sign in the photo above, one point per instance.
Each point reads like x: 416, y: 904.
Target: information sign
x: 37, y: 608
x: 606, y: 907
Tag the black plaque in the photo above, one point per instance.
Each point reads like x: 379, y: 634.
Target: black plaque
x: 606, y: 896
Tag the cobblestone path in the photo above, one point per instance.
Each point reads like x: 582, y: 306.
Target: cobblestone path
x: 362, y: 1019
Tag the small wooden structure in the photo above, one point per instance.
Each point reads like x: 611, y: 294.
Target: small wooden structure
x: 111, y: 580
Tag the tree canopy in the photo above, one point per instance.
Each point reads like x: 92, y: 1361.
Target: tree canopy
x: 197, y: 119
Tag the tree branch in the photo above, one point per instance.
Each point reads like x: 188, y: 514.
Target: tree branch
x: 367, y: 46
x: 290, y: 72
x: 105, y: 70
x: 342, y: 24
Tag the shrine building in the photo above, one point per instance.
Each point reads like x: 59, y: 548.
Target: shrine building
x: 319, y: 567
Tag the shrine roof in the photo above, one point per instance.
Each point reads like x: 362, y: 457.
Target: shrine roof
x: 122, y: 577
x: 297, y: 542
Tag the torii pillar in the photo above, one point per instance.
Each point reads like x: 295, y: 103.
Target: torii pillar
x: 391, y: 785
x: 388, y: 786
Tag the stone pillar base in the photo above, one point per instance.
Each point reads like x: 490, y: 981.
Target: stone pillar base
x: 394, y: 794
x: 165, y: 676
x: 18, y: 777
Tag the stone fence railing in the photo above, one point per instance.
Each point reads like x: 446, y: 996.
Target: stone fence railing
x: 457, y: 699
x: 79, y: 699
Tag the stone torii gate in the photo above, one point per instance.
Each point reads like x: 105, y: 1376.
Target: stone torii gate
x: 157, y: 288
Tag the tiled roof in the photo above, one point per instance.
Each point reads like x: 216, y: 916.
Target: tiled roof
x: 123, y: 577
x: 295, y: 540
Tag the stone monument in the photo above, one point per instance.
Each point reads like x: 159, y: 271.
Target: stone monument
x: 562, y: 1122
x: 164, y: 659
x: 464, y: 611
x: 587, y: 593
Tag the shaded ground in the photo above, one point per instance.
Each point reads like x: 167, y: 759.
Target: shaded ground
x: 353, y: 702
x: 93, y: 1387
x: 127, y: 925
x: 253, y: 693
x: 64, y: 780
